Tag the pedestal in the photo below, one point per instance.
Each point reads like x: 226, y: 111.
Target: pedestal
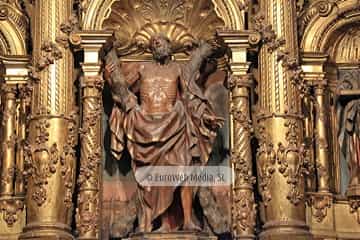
x: 172, y: 236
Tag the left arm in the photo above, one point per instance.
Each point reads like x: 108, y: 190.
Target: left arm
x: 196, y: 59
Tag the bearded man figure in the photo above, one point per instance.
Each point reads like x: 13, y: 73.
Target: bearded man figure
x: 171, y: 124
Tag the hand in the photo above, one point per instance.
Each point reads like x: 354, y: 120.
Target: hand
x: 213, y: 121
x: 206, y: 48
x: 109, y: 69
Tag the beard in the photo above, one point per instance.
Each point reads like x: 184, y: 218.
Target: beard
x: 161, y: 53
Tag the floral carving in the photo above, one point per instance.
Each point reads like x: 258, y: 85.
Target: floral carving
x: 68, y: 156
x: 71, y: 25
x: 267, y: 33
x: 293, y: 161
x: 87, y: 218
x: 355, y: 207
x: 40, y: 161
x: 243, y: 172
x: 88, y: 206
x: 292, y: 66
x: 50, y: 53
x: 300, y: 161
x: 68, y: 28
x: 244, y: 212
x: 320, y: 203
x: 8, y: 176
x: 10, y: 209
x: 267, y: 156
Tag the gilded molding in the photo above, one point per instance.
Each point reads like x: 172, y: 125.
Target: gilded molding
x: 229, y: 11
x: 319, y: 29
x: 317, y: 8
x: 13, y: 28
x: 171, y: 18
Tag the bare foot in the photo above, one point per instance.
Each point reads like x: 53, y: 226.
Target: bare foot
x: 144, y: 229
x: 191, y: 227
x: 164, y: 228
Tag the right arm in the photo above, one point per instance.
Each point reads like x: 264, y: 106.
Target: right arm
x: 117, y: 81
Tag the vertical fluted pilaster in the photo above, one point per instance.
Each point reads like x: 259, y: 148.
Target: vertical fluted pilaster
x: 50, y: 156
x: 281, y: 157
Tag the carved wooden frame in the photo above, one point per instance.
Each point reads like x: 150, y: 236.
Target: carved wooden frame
x: 92, y: 38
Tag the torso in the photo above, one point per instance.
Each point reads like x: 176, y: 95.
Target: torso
x: 158, y: 87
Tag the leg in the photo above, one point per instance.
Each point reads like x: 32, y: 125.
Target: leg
x: 186, y: 201
x: 145, y: 224
x: 165, y: 223
x: 145, y: 220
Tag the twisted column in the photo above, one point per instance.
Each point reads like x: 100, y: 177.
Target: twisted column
x: 243, y: 201
x: 88, y: 212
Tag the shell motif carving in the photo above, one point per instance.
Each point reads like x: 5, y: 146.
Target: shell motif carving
x: 182, y: 21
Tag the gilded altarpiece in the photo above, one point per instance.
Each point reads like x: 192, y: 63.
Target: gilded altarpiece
x: 286, y: 83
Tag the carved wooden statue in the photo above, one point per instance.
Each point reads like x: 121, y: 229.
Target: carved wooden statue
x: 170, y: 124
x: 350, y: 143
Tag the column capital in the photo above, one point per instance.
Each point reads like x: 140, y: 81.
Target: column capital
x: 239, y: 42
x: 16, y: 69
x: 91, y: 42
x: 239, y: 39
x: 91, y: 39
x: 313, y: 65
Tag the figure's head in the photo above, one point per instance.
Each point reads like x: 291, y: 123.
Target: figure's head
x: 160, y: 47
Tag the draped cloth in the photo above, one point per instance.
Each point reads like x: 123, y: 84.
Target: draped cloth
x: 181, y: 137
x: 349, y: 139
